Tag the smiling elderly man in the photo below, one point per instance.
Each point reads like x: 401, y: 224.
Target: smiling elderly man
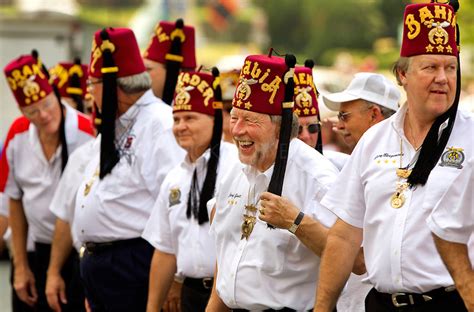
x: 260, y: 267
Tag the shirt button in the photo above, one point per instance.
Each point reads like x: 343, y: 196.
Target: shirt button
x: 82, y: 206
x: 82, y: 231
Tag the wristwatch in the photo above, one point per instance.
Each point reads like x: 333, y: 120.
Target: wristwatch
x: 296, y: 223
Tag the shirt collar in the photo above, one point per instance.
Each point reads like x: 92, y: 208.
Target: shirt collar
x: 201, y: 162
x: 398, y: 121
x: 146, y: 99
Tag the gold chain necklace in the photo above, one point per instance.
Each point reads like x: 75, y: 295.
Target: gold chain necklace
x: 250, y: 218
x: 397, y: 200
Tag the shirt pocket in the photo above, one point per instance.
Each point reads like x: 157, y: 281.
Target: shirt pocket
x: 270, y: 248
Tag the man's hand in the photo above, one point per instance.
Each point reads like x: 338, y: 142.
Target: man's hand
x: 277, y: 211
x: 24, y: 284
x: 55, y: 291
x: 173, y: 300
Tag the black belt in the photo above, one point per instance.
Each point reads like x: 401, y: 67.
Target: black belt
x: 401, y: 299
x: 199, y: 284
x: 92, y: 247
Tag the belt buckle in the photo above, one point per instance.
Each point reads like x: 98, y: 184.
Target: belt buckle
x: 398, y: 304
x: 206, y: 281
x: 82, y: 250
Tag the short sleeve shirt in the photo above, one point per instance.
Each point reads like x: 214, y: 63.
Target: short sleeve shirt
x: 171, y: 231
x: 397, y: 242
x: 272, y: 268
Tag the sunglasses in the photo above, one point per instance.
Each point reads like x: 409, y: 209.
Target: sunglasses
x: 90, y: 82
x: 312, y: 128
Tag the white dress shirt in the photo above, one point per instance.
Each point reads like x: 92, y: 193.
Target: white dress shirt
x: 64, y: 199
x: 272, y: 269
x: 452, y: 219
x: 32, y: 178
x: 338, y: 159
x: 118, y: 206
x: 170, y: 231
x: 400, y: 254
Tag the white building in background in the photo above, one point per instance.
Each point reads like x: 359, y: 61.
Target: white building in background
x: 69, y: 7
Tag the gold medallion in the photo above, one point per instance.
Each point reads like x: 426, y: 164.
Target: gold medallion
x: 251, y: 208
x: 247, y: 226
x: 403, y: 173
x: 397, y: 200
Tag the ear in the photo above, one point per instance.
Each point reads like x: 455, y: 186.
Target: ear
x: 402, y: 76
x: 376, y: 114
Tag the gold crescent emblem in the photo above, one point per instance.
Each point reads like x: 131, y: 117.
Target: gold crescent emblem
x: 243, y: 90
x: 438, y: 35
x: 31, y: 88
x: 304, y: 99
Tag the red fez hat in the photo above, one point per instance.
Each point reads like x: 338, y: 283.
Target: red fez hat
x: 159, y: 47
x: 194, y: 93
x: 429, y: 28
x: 61, y: 75
x: 306, y: 102
x: 125, y: 52
x: 261, y: 87
x: 27, y: 80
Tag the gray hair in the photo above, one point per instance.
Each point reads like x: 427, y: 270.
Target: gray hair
x: 135, y: 83
x: 385, y: 111
x: 276, y: 119
x: 401, y: 66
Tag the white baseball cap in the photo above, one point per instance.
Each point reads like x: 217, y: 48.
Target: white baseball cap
x: 366, y: 86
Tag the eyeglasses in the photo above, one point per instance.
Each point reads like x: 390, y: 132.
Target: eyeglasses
x: 90, y: 82
x: 31, y: 112
x: 312, y: 128
x: 344, y: 116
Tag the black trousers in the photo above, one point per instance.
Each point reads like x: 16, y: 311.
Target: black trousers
x: 70, y: 274
x: 194, y: 300
x: 116, y: 275
x: 448, y: 302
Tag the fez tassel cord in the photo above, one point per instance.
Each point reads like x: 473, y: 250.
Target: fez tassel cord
x: 278, y: 175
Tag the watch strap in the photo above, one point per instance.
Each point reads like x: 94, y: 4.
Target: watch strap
x: 296, y: 223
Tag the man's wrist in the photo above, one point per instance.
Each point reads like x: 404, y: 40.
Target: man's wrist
x: 178, y: 278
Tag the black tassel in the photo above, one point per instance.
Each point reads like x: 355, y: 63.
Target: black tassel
x: 62, y: 130
x: 173, y: 66
x: 109, y: 155
x: 319, y: 144
x: 75, y: 82
x: 278, y: 175
x: 209, y: 184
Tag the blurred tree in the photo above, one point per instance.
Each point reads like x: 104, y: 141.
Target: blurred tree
x: 312, y: 26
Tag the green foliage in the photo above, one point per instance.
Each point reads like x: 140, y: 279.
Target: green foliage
x: 313, y: 26
x: 104, y: 16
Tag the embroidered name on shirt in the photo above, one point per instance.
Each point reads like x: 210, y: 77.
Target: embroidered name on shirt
x: 387, y: 158
x: 453, y: 157
x: 232, y: 199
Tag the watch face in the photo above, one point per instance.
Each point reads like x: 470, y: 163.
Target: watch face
x: 293, y: 228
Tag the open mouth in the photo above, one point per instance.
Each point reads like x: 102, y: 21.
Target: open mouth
x: 245, y: 145
x: 438, y: 92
